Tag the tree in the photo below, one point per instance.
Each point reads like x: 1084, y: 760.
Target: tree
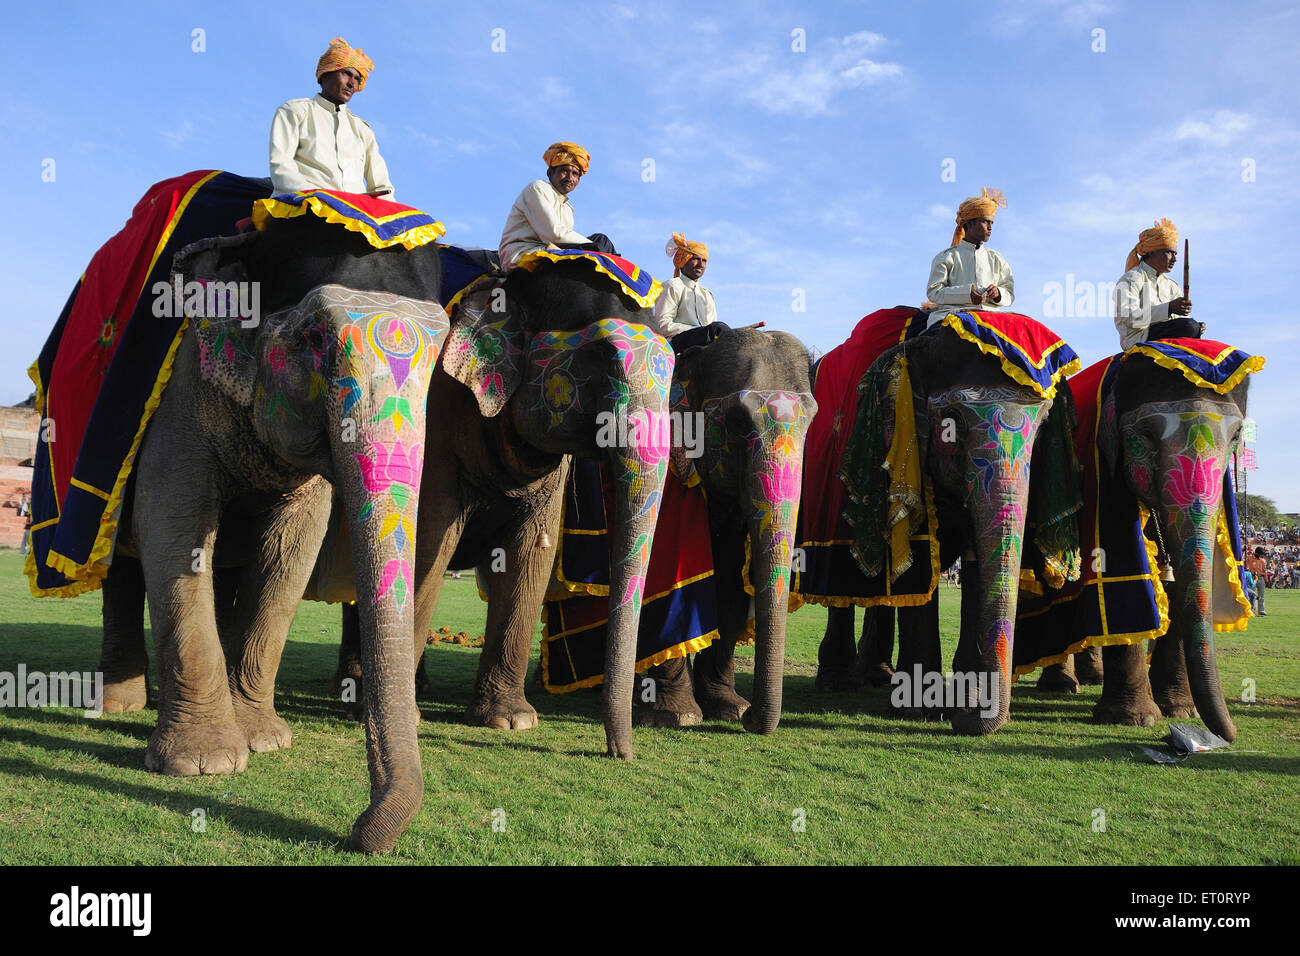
x: 1258, y: 511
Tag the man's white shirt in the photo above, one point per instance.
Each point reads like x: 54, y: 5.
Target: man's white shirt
x: 315, y: 145
x: 540, y: 217
x: 957, y: 268
x: 1142, y: 297
x: 683, y: 304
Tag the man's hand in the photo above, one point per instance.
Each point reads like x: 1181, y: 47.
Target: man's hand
x: 376, y: 193
x: 993, y: 294
x: 1180, y: 306
x: 976, y: 296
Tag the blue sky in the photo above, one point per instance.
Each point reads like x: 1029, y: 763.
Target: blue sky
x: 819, y: 169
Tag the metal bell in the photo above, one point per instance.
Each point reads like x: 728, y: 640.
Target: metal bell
x: 544, y: 540
x: 1167, y: 573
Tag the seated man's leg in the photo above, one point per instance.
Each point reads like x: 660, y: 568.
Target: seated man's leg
x: 1180, y: 328
x: 599, y: 243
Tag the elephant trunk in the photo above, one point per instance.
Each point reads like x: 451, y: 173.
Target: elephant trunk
x: 770, y: 538
x: 638, y: 460
x: 1190, y: 532
x: 997, y: 501
x: 773, y: 487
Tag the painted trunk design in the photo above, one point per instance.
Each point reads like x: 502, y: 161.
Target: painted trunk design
x: 632, y: 434
x: 1176, y: 459
x: 992, y: 445
x: 386, y: 351
x: 755, y: 440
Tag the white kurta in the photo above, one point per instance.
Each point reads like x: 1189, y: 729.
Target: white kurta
x: 1142, y: 297
x: 957, y: 268
x: 315, y: 145
x: 683, y: 304
x: 540, y: 217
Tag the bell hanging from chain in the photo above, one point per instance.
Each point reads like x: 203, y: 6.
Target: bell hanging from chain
x: 1167, y: 572
x: 544, y: 540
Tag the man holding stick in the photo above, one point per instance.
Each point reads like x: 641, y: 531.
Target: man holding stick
x: 1148, y: 304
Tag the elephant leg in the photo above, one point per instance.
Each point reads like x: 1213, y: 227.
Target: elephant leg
x: 269, y: 591
x: 1170, y: 687
x: 1126, y: 692
x: 835, y: 653
x: 123, y: 659
x: 875, y: 661
x: 197, y: 732
x: 1087, y: 666
x: 1059, y: 678
x: 919, y: 651
x: 514, y: 602
x: 715, y: 673
x: 673, y: 703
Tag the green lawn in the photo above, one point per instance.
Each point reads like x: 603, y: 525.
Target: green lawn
x: 872, y: 789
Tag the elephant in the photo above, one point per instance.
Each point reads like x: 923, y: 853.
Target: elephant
x: 752, y: 390
x: 977, y: 433
x: 631, y: 364
x: 1170, y: 440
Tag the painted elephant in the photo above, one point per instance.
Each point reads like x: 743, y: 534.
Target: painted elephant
x: 977, y: 432
x: 1171, y: 441
x: 252, y: 431
x: 752, y: 390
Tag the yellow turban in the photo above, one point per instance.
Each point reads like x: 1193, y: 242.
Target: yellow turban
x: 983, y: 206
x: 1163, y: 235
x: 340, y: 56
x: 682, y: 251
x: 567, y: 154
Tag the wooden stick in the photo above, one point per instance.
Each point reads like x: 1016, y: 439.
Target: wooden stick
x: 1186, y: 283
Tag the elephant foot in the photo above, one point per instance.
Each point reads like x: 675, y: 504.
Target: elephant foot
x: 665, y: 716
x: 972, y: 723
x: 502, y: 713
x: 187, y: 750
x: 1178, y: 708
x: 1056, y: 680
x: 916, y: 713
x: 721, y: 703
x: 124, y: 696
x: 1137, y: 714
x: 880, y: 675
x: 835, y: 679
x: 263, y: 728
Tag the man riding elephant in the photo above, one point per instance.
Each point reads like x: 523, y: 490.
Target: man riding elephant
x: 684, y: 304
x: 1148, y: 304
x: 968, y: 274
x: 317, y: 143
x: 542, y: 216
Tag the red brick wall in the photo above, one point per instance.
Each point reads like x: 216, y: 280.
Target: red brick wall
x: 14, y: 482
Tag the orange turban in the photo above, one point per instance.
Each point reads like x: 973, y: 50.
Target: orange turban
x: 567, y: 154
x: 983, y: 206
x: 340, y: 56
x: 682, y: 251
x: 1163, y: 235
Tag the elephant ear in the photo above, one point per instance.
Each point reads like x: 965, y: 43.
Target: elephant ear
x: 226, y: 345
x: 485, y: 350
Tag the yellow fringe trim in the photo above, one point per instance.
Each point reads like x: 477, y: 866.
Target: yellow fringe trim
x: 1224, y: 541
x: 693, y: 646
x: 1252, y: 364
x: 529, y: 260
x: 91, y: 574
x: 1016, y: 373
x: 411, y: 239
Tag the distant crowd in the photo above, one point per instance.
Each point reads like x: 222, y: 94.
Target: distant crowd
x: 1280, y: 549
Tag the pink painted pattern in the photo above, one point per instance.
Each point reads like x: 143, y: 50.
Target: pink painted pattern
x: 1193, y: 478
x: 392, y: 464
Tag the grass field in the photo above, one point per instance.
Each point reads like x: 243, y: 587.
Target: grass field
x: 869, y: 788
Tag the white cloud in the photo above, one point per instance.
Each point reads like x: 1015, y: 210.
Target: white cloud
x: 554, y: 92
x: 181, y: 134
x: 1220, y: 130
x: 807, y: 82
